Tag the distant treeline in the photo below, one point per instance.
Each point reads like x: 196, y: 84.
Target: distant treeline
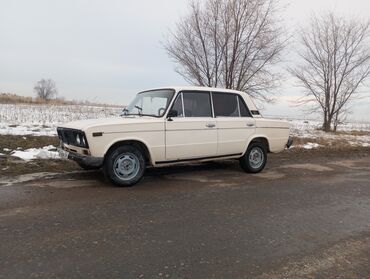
x: 11, y: 98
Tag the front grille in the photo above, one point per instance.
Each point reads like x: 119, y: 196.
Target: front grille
x: 68, y: 136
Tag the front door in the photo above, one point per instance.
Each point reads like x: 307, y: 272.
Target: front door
x: 192, y: 132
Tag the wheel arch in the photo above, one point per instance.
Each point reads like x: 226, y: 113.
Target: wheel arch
x: 133, y: 142
x: 261, y: 139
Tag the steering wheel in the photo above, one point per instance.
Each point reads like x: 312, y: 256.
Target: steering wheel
x: 161, y: 111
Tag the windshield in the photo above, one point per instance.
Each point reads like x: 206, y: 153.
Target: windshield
x: 150, y: 103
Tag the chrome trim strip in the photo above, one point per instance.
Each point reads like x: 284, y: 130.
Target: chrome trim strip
x: 198, y: 159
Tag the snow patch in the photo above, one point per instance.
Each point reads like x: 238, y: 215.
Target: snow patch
x: 47, y: 152
x: 311, y: 145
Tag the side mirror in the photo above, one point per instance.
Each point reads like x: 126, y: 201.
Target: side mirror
x: 172, y: 113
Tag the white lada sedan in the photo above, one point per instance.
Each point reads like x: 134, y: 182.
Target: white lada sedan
x: 175, y: 125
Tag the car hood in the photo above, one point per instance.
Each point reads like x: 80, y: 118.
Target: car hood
x: 92, y: 123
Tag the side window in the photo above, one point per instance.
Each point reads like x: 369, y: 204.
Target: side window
x: 197, y: 104
x: 244, y: 111
x: 225, y: 104
x: 177, y: 106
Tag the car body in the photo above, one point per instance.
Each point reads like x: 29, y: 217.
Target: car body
x: 174, y: 125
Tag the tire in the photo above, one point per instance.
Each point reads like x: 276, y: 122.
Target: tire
x: 87, y: 167
x: 255, y: 159
x: 124, y: 166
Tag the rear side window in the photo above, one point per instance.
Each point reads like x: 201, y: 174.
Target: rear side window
x: 197, y: 104
x: 244, y: 111
x: 225, y: 105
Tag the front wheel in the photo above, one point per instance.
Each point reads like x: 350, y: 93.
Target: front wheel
x: 124, y: 166
x: 255, y: 159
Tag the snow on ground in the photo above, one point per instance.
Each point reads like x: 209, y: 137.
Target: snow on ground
x: 47, y: 152
x: 310, y: 145
x: 304, y: 128
x: 42, y: 120
x: 354, y: 133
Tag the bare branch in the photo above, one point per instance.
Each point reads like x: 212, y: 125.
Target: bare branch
x: 231, y: 44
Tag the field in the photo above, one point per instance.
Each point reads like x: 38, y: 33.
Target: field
x: 308, y: 134
x: 42, y: 119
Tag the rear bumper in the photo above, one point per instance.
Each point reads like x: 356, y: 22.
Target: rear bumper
x: 289, y: 143
x: 81, y: 159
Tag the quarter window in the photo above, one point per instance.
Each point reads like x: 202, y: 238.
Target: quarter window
x: 197, y: 104
x: 177, y: 106
x: 244, y: 111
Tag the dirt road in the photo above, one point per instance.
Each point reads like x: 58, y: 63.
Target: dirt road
x: 306, y: 216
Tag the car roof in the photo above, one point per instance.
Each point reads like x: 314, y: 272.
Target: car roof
x: 197, y: 88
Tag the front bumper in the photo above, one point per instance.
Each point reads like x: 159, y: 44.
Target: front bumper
x: 81, y: 159
x: 289, y: 143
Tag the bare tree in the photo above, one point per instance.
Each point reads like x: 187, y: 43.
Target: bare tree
x: 45, y: 89
x: 231, y: 44
x: 335, y: 64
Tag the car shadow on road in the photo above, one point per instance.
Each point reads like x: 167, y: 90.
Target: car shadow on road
x: 166, y: 170
x: 195, y: 167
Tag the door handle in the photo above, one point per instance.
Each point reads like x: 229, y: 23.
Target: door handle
x: 210, y: 125
x: 250, y: 125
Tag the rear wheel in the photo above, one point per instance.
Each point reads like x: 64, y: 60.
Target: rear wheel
x: 124, y: 166
x: 255, y: 159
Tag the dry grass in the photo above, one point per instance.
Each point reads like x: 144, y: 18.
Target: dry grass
x: 322, y: 141
x: 352, y: 133
x: 25, y: 142
x: 10, y: 166
x: 10, y: 98
x: 336, y: 142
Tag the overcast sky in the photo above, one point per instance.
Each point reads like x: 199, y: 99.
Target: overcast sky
x: 107, y: 51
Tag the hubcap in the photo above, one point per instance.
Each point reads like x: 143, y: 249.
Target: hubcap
x: 126, y: 166
x: 256, y: 158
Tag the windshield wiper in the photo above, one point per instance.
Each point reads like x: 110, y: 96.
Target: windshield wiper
x: 140, y: 114
x: 124, y: 112
x: 140, y: 109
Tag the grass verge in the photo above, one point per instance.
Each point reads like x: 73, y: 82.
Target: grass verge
x: 10, y: 166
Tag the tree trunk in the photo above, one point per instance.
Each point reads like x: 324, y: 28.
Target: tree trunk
x: 327, y: 126
x: 327, y: 123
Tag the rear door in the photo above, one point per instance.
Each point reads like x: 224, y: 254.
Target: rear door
x: 234, y: 122
x: 193, y: 133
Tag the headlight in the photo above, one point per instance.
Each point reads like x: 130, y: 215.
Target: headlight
x: 84, y: 141
x: 78, y: 139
